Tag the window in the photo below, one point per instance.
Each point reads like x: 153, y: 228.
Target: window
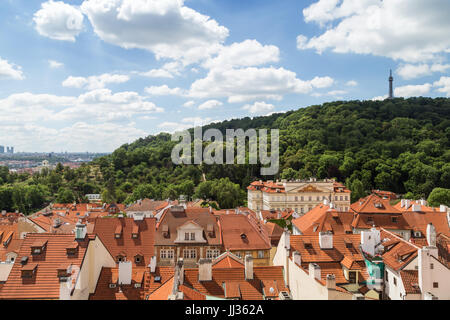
x: 166, y: 254
x: 112, y: 285
x: 369, y: 219
x: 431, y: 266
x: 238, y: 254
x: 352, y: 276
x: 301, y: 198
x: 435, y: 285
x: 192, y: 235
x: 340, y: 198
x: 301, y: 209
x: 260, y: 254
x: 120, y: 259
x: 395, y: 281
x: 310, y: 198
x: 37, y: 251
x: 318, y: 198
x: 394, y: 219
x: 189, y: 253
x: 296, y: 198
x: 212, y: 254
x: 186, y: 236
x: 138, y: 259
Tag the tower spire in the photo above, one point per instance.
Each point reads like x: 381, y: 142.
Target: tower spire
x: 391, y: 89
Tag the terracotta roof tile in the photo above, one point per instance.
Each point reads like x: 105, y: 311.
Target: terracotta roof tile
x: 410, y: 280
x: 106, y: 228
x: 45, y: 283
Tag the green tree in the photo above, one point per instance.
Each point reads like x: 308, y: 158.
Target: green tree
x: 439, y: 196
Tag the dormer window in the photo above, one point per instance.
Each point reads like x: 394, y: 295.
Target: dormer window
x: 118, y: 232
x: 138, y: 259
x: 165, y: 230
x: 120, y: 258
x: 135, y: 231
x: 28, y: 271
x: 186, y: 236
x: 192, y: 235
x: 72, y: 249
x: 112, y: 285
x: 308, y: 245
x: 38, y: 247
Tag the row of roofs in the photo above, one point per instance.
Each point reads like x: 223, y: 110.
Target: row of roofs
x: 410, y: 219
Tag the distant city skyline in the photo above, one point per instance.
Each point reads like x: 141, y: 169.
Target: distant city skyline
x: 91, y: 75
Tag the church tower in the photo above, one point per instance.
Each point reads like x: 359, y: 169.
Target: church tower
x: 391, y: 89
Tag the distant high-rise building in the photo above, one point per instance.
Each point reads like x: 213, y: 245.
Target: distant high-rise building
x: 2, y: 149
x: 9, y: 149
x: 391, y: 88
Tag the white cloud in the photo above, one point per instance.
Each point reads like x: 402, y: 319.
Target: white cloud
x: 55, y: 64
x: 94, y: 82
x: 322, y: 82
x: 259, y: 107
x: 210, y: 104
x: 444, y: 84
x: 8, y: 70
x: 351, y: 83
x: 336, y: 93
x: 410, y: 71
x: 408, y: 30
x: 77, y: 137
x: 58, y: 20
x: 168, y: 70
x: 97, y: 105
x: 412, y: 90
x: 164, y: 90
x: 302, y: 42
x: 251, y: 83
x: 167, y: 28
x: 244, y: 54
x: 188, y: 104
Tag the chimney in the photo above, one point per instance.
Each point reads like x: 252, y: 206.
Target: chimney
x: 80, y: 231
x: 314, y: 271
x: 287, y: 237
x: 248, y: 267
x: 125, y: 269
x: 416, y: 207
x: 204, y: 269
x: 297, y: 258
x: 407, y: 204
x: 402, y: 203
x: 442, y: 208
x: 331, y: 282
x: 326, y: 240
x: 180, y: 267
x: 423, y: 202
x: 325, y: 201
x: 431, y: 235
x: 152, y: 264
x: 332, y: 206
x: 278, y: 215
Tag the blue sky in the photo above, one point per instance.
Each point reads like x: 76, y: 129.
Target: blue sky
x: 90, y: 75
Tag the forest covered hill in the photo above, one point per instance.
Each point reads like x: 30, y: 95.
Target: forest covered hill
x: 402, y: 145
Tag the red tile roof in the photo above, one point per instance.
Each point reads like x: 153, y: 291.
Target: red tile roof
x: 397, y: 252
x: 45, y: 283
x: 129, y: 292
x: 410, y: 279
x: 147, y: 205
x: 105, y: 229
x: 322, y: 218
x: 241, y: 233
x: 234, y: 279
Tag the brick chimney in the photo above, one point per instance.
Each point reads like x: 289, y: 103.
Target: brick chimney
x: 204, y: 269
x: 248, y: 267
x: 431, y: 235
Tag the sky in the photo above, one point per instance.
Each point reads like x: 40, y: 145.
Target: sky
x: 91, y: 75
